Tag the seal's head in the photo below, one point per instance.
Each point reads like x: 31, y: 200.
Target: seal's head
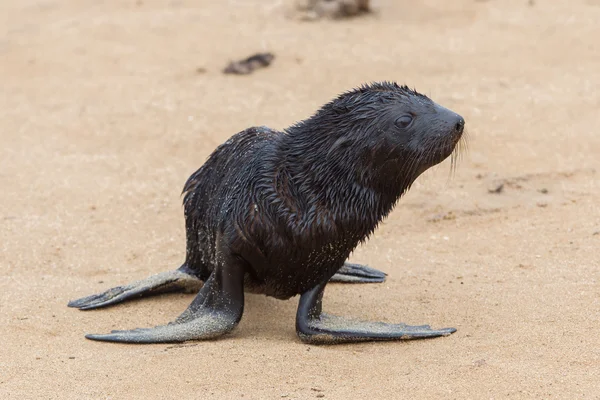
x: 381, y: 135
x: 415, y: 126
x: 398, y: 123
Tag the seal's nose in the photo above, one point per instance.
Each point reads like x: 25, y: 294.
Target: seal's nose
x: 459, y: 125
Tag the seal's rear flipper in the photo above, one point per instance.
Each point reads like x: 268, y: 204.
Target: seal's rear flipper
x: 315, y: 327
x: 216, y: 310
x: 170, y: 281
x: 356, y: 273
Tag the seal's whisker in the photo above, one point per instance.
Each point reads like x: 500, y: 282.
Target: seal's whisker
x: 464, y: 141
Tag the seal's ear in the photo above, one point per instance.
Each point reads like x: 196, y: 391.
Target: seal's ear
x: 339, y: 146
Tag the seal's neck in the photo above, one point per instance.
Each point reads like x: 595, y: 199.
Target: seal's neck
x: 337, y: 175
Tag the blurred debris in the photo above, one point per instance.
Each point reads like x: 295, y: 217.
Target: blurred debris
x: 479, y: 363
x: 525, y: 266
x: 248, y: 65
x: 310, y: 10
x: 448, y: 216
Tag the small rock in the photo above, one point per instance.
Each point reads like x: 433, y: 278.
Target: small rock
x: 543, y: 191
x: 497, y: 187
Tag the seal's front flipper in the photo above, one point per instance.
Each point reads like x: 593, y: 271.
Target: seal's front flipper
x: 216, y: 310
x: 315, y: 327
x: 170, y: 281
x: 356, y: 273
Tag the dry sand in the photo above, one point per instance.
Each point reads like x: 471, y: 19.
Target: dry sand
x: 103, y: 116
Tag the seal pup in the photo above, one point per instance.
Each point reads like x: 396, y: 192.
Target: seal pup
x: 279, y: 213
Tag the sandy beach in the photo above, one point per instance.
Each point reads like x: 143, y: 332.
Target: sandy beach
x: 106, y: 108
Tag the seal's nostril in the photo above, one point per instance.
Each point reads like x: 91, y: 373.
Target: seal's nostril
x: 460, y: 125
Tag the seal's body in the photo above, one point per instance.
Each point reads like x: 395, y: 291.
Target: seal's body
x: 292, y: 230
x: 279, y: 213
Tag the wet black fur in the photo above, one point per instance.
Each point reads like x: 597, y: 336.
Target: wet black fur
x: 293, y: 205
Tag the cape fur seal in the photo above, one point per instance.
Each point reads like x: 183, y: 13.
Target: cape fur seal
x: 279, y: 212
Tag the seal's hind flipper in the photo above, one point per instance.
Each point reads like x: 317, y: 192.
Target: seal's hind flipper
x: 170, y: 281
x: 356, y: 273
x: 315, y: 327
x: 216, y: 310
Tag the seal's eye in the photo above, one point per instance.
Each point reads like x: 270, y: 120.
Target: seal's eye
x: 404, y: 121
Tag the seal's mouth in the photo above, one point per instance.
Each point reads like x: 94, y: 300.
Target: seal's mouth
x: 437, y: 146
x: 451, y: 144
